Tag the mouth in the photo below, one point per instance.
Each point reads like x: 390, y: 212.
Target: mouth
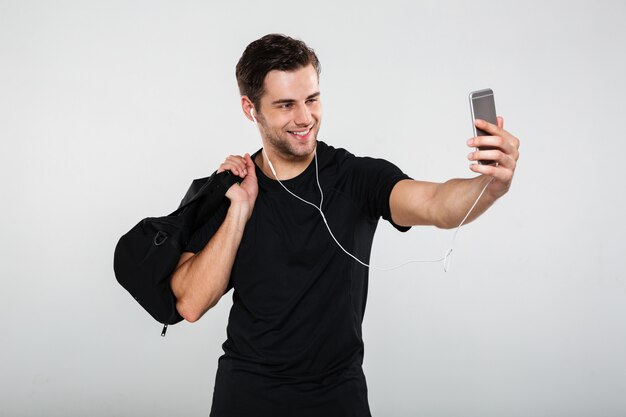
x: 300, y: 134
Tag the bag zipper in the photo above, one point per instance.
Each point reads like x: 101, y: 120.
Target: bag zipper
x: 164, y: 330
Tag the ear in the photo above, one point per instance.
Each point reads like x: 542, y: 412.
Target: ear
x: 247, y: 106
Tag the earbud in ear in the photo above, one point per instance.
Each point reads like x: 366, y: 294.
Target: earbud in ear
x: 252, y: 114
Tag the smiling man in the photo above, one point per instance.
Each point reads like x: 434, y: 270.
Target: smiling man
x: 294, y: 345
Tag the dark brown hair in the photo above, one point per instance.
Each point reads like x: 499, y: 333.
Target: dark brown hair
x: 271, y: 52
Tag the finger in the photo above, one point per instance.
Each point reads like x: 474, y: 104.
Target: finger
x: 250, y: 168
x: 237, y: 160
x: 497, y: 130
x: 492, y: 141
x: 508, y: 146
x: 488, y: 127
x: 494, y: 155
x: 230, y: 167
x: 235, y: 169
x: 494, y: 130
x: 235, y: 164
x: 498, y: 172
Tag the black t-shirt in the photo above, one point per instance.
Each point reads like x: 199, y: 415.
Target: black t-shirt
x: 294, y: 345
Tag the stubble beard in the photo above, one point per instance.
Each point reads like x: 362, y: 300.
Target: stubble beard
x: 285, y: 146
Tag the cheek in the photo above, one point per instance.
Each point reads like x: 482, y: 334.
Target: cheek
x: 276, y: 121
x: 317, y: 111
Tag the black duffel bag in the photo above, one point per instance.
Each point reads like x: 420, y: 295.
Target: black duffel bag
x: 148, y: 254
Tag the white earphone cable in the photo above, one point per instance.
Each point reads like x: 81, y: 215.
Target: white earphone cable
x: 446, y: 258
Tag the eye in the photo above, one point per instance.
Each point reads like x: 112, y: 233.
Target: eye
x: 286, y: 106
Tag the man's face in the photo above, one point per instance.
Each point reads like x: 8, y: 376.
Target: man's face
x: 291, y: 112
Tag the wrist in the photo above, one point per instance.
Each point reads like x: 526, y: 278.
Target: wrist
x: 495, y: 190
x: 240, y: 210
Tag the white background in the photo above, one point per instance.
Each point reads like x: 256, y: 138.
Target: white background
x: 109, y: 109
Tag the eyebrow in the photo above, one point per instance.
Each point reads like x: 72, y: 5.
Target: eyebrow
x: 290, y: 100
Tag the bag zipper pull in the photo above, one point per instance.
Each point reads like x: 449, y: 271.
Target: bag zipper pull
x: 164, y: 330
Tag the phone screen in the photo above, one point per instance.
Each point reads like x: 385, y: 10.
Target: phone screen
x: 483, y: 107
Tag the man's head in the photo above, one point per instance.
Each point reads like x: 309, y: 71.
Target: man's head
x: 278, y: 79
x: 271, y: 52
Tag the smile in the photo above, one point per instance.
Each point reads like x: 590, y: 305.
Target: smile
x: 301, y: 134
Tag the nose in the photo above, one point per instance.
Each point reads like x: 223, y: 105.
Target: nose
x: 302, y: 116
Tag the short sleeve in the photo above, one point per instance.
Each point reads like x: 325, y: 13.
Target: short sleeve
x: 374, y: 180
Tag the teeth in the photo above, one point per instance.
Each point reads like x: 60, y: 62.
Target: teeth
x: 301, y: 133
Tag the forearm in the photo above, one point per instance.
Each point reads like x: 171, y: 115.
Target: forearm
x: 200, y: 282
x: 452, y: 200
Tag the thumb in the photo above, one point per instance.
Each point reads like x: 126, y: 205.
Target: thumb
x: 250, y: 167
x: 500, y: 122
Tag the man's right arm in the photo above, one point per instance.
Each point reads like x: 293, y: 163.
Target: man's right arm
x: 199, y: 280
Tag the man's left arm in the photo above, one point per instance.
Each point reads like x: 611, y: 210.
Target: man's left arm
x: 445, y: 204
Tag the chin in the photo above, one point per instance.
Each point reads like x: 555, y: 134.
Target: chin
x: 306, y: 148
x: 290, y: 145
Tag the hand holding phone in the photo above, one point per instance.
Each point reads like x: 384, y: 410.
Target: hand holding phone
x: 483, y: 106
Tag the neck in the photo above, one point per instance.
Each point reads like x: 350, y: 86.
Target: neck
x: 284, y: 169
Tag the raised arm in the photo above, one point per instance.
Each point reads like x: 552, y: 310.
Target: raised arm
x: 200, y: 279
x: 445, y: 204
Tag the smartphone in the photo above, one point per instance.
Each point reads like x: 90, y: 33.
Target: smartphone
x: 483, y: 106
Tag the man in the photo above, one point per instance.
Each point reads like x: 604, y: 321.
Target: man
x: 294, y: 345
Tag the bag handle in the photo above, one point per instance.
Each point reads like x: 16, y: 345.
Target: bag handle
x: 217, y: 182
